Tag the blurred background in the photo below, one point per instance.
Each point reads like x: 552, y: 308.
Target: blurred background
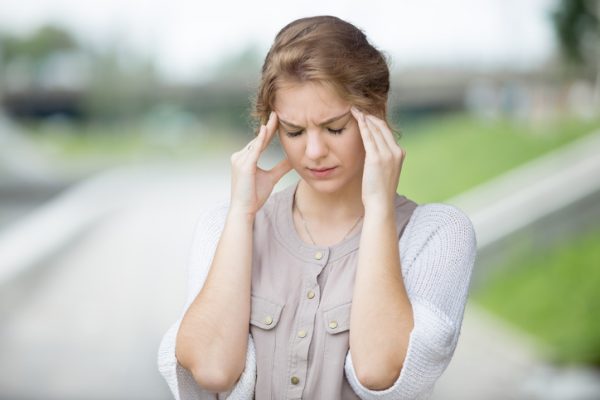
x: 117, y: 120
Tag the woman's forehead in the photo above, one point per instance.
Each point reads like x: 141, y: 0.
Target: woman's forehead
x: 326, y: 121
x: 318, y: 103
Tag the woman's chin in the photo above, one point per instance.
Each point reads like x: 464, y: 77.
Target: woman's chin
x: 328, y: 186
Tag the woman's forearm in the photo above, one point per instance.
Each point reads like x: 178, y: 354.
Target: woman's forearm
x: 381, y: 318
x: 213, y: 336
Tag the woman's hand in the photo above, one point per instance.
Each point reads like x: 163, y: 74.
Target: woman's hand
x: 251, y: 185
x: 383, y: 161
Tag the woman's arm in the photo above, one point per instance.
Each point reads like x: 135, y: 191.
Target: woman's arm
x: 209, y: 228
x: 213, y: 336
x: 437, y: 250
x: 381, y: 317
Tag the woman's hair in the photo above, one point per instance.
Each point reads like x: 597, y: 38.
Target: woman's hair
x: 329, y: 51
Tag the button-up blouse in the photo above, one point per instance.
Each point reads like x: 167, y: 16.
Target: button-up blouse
x: 301, y: 302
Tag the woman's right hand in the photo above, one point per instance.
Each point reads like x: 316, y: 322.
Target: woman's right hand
x: 251, y: 186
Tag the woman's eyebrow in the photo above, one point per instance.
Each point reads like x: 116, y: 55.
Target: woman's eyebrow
x: 330, y: 120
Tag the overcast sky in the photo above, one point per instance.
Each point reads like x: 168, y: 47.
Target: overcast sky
x: 186, y: 37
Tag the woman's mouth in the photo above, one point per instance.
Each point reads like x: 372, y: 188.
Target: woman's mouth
x: 322, y: 172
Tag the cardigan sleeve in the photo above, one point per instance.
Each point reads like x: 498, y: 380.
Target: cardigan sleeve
x: 437, y: 253
x: 181, y: 382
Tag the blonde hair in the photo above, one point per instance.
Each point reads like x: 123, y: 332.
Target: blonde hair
x: 329, y: 51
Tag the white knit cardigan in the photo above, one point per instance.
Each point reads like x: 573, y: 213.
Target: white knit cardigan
x: 437, y: 253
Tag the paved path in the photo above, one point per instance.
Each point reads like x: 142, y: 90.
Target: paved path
x: 494, y: 361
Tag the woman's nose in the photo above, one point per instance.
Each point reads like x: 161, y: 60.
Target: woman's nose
x: 315, y: 146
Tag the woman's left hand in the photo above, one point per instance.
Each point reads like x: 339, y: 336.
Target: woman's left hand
x: 383, y: 161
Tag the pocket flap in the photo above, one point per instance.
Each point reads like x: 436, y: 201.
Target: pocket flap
x: 264, y: 313
x: 337, y: 319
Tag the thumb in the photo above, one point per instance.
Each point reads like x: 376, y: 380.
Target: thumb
x: 283, y: 167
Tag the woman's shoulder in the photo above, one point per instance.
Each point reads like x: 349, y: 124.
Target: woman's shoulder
x: 431, y: 219
x: 440, y: 242
x: 440, y: 214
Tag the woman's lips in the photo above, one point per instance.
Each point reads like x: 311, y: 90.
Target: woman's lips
x: 322, y: 173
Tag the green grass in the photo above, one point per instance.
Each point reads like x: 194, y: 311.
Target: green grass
x: 447, y: 156
x: 554, y: 295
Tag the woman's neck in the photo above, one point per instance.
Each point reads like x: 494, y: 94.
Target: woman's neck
x: 330, y: 207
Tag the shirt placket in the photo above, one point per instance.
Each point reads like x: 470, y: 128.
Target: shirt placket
x: 305, y: 324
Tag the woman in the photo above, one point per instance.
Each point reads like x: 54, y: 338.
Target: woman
x: 335, y: 287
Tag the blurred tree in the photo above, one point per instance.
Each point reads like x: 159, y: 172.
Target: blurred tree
x: 116, y: 84
x: 39, y: 45
x: 224, y: 97
x: 122, y: 86
x: 577, y: 26
x: 26, y: 66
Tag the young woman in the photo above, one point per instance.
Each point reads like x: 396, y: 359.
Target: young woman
x: 336, y: 287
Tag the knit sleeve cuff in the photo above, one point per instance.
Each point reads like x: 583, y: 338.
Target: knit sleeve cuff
x: 431, y: 345
x: 182, y: 383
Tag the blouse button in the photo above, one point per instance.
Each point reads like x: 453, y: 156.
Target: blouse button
x: 268, y: 320
x: 318, y: 255
x: 310, y: 294
x: 301, y: 334
x: 295, y: 380
x: 333, y: 324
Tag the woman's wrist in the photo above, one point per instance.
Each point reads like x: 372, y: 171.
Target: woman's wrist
x: 239, y: 215
x: 380, y: 211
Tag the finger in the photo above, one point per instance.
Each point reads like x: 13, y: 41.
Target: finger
x: 377, y: 137
x: 271, y: 128
x: 371, y: 134
x: 251, y: 143
x: 386, y: 133
x: 254, y: 148
x: 364, y: 132
x: 243, y: 152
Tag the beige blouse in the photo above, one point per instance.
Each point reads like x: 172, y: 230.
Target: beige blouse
x: 301, y: 302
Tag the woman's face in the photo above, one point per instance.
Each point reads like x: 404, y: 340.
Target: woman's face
x: 319, y: 136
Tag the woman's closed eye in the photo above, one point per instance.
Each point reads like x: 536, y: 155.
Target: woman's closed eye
x: 332, y: 131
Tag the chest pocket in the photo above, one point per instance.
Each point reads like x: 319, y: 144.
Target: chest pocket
x: 264, y: 313
x: 337, y: 327
x: 264, y: 318
x: 337, y: 319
